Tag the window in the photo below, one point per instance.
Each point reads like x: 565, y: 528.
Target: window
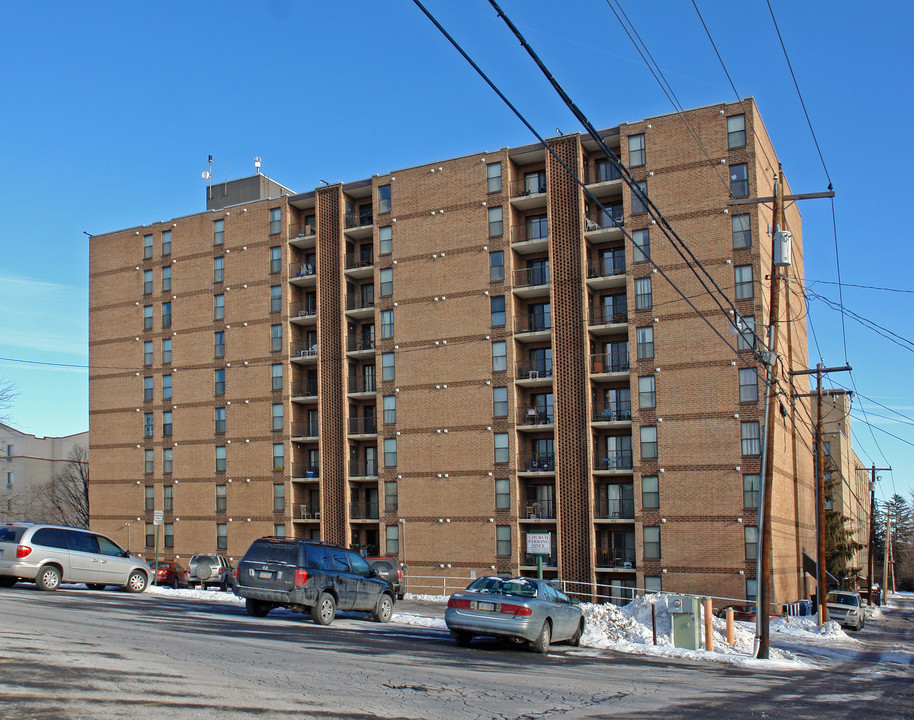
x: 639, y: 197
x: 636, y: 150
x: 166, y: 423
x: 653, y: 584
x: 167, y: 461
x: 751, y: 534
x: 750, y: 490
x: 148, y: 462
x: 501, y: 448
x: 751, y: 589
x: 502, y: 494
x: 167, y: 498
x: 275, y: 221
x: 276, y: 377
x: 649, y: 442
x: 742, y: 237
x: 220, y: 382
x: 390, y: 409
x: 166, y: 278
x: 147, y: 247
x: 275, y: 298
x: 503, y: 540
x: 745, y: 329
x: 500, y: 401
x: 641, y: 242
x: 168, y: 535
x: 220, y: 498
x: 498, y: 310
x: 390, y: 495
x: 493, y: 177
x: 645, y: 340
x: 388, y: 370
x: 147, y: 353
x: 149, y: 497
x: 739, y: 180
x: 166, y: 387
x: 218, y: 269
x: 384, y: 199
x: 651, y: 542
x: 166, y: 352
x: 742, y: 275
x: 166, y: 314
x: 387, y: 282
x: 147, y: 317
x: 496, y: 266
x: 496, y: 224
x: 387, y: 324
x: 220, y: 421
x: 279, y: 530
x: 390, y: 452
x: 643, y: 297
x: 219, y: 344
x: 736, y: 131
x: 147, y: 282
x: 221, y: 536
x: 147, y: 389
x: 279, y: 497
x: 535, y: 182
x: 385, y: 240
x: 166, y: 242
x: 499, y: 356
x: 650, y: 492
x: 537, y: 227
x: 275, y: 338
x: 218, y: 232
x: 279, y: 456
x: 751, y: 440
x: 277, y: 416
x: 219, y: 307
x: 392, y: 539
x: 150, y: 535
x: 647, y: 395
x: 748, y: 385
x: 275, y: 259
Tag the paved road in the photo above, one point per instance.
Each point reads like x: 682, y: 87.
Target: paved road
x: 97, y: 656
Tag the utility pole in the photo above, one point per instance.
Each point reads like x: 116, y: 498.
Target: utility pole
x: 821, y: 584
x: 886, y: 554
x: 872, y: 543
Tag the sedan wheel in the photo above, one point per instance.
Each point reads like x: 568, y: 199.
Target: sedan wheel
x: 541, y: 644
x: 48, y: 578
x: 384, y: 609
x: 174, y: 583
x: 324, y: 610
x: 576, y: 638
x: 463, y: 639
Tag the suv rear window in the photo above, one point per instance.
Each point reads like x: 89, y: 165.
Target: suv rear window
x: 273, y: 551
x: 11, y: 534
x: 204, y: 559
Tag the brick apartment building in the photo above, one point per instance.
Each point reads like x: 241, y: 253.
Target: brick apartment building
x: 437, y: 361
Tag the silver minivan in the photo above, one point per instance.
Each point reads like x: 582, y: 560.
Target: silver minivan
x: 49, y: 555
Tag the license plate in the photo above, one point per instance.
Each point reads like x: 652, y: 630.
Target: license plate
x: 263, y: 574
x: 485, y: 606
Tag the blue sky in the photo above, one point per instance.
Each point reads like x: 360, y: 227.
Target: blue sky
x: 111, y: 108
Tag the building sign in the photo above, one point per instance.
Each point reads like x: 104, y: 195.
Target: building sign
x: 158, y: 516
x: 539, y: 544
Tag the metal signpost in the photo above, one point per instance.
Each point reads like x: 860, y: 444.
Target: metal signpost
x: 157, y: 518
x: 539, y: 544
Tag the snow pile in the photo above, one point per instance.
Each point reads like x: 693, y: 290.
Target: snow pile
x: 426, y: 598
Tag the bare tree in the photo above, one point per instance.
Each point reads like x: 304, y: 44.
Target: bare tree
x: 65, y: 499
x: 7, y: 395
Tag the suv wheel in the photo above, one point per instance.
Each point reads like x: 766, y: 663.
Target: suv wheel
x: 324, y: 610
x: 48, y: 578
x: 384, y: 609
x: 257, y: 608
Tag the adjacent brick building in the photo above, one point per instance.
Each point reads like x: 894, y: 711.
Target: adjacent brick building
x: 435, y: 362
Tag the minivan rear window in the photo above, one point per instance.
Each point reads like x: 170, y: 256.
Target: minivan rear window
x: 50, y: 537
x: 11, y: 534
x: 271, y: 551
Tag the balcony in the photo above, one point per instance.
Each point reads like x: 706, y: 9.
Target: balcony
x: 613, y: 509
x: 363, y: 469
x: 361, y: 385
x: 530, y: 240
x: 358, y: 225
x: 304, y: 355
x: 614, y: 413
x: 608, y: 271
x: 309, y: 511
x: 304, y: 431
x: 363, y: 426
x: 303, y: 313
x: 616, y: 559
x: 539, y: 510
x: 605, y: 225
x: 529, y: 193
x: 533, y: 376
x: 360, y: 346
x: 608, y: 319
x: 532, y: 281
x: 551, y: 561
x: 609, y: 364
x: 536, y: 418
x: 303, y: 274
x: 533, y: 327
x: 305, y: 471
x: 537, y: 464
x: 359, y: 264
x: 363, y: 511
x: 359, y: 306
x: 304, y: 390
x: 302, y: 235
x: 603, y: 179
x: 619, y: 461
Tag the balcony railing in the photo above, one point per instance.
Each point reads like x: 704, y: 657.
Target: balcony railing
x: 603, y: 315
x: 355, y: 344
x: 536, y: 322
x: 302, y: 229
x: 363, y: 511
x: 305, y: 429
x: 621, y: 558
x: 531, y: 276
x: 309, y: 351
x: 309, y: 511
x: 602, y: 172
x: 536, y: 416
x: 537, y: 463
x: 303, y: 310
x: 301, y: 269
x: 614, y: 412
x: 358, y: 219
x: 612, y: 216
x: 528, y: 186
x: 521, y: 233
x: 357, y: 302
x: 359, y: 260
x: 305, y: 388
x: 607, y: 266
x: 615, y: 509
x: 608, y: 363
x: 363, y: 468
x: 620, y: 460
x: 305, y: 470
x: 551, y: 561
x: 363, y: 426
x: 534, y: 372
x: 361, y: 384
x: 540, y: 510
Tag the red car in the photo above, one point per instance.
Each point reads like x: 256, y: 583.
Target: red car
x: 169, y: 573
x: 745, y: 613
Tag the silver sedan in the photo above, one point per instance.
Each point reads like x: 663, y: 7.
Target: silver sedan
x: 518, y: 608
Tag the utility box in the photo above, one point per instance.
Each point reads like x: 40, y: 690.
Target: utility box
x: 685, y: 621
x: 782, y: 244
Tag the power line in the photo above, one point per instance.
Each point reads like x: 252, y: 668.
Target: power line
x: 864, y: 287
x: 899, y: 340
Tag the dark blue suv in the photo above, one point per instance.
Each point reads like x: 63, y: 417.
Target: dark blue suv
x: 307, y: 575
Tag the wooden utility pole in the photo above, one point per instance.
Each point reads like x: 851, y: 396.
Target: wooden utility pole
x: 872, y: 542
x: 885, y: 555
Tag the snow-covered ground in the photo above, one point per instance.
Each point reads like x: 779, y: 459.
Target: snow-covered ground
x: 796, y: 642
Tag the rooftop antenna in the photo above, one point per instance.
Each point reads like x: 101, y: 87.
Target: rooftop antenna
x: 208, y: 175
x: 257, y: 165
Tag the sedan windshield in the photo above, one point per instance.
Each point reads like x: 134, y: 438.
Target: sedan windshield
x: 518, y: 587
